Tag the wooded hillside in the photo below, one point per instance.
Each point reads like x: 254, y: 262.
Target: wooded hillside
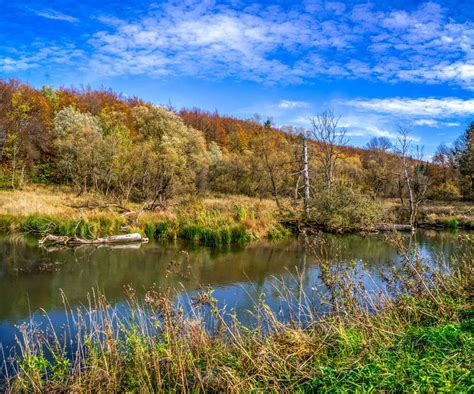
x: 130, y: 149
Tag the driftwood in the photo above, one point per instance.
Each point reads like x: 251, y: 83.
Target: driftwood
x: 73, y: 241
x: 389, y: 227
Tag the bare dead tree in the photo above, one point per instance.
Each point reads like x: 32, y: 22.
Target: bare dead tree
x: 414, y: 173
x: 305, y: 176
x: 329, y: 137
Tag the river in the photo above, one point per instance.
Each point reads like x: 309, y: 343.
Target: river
x: 32, y: 279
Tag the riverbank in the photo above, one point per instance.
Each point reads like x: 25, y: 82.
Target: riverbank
x: 419, y: 339
x: 206, y: 220
x: 436, y: 214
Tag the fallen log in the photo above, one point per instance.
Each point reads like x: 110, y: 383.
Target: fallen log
x: 73, y: 241
x: 388, y: 227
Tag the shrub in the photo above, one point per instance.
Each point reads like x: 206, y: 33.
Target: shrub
x: 166, y: 230
x: 445, y: 191
x: 453, y: 223
x: 344, y: 209
x: 240, y: 235
x: 150, y: 230
x: 241, y: 214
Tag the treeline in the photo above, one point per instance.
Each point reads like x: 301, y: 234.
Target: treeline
x: 133, y: 150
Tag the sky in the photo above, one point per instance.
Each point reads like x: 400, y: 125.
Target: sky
x: 379, y: 65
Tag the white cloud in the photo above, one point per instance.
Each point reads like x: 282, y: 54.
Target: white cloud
x: 55, y: 15
x: 288, y: 104
x: 444, y: 107
x: 262, y: 44
x: 368, y: 125
x: 360, y: 126
x: 435, y: 123
x: 56, y: 55
x: 423, y: 43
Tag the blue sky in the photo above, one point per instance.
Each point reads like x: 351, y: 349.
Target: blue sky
x: 377, y: 64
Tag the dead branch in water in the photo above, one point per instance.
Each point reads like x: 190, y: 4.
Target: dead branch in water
x: 72, y: 241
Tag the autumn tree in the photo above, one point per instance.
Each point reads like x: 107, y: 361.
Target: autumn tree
x: 377, y: 166
x: 273, y: 152
x: 25, y: 116
x: 444, y: 174
x: 80, y: 147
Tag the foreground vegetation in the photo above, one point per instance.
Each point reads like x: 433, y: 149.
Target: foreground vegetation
x: 414, y: 335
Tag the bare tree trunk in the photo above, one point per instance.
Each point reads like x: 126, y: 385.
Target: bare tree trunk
x: 411, y: 197
x: 305, y: 176
x: 400, y: 191
x: 22, y: 175
x: 330, y: 137
x: 275, y: 190
x: 14, y: 167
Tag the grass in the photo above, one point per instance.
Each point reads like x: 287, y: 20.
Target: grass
x: 415, y: 336
x: 211, y: 220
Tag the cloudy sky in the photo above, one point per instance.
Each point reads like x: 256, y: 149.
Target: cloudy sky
x: 378, y: 64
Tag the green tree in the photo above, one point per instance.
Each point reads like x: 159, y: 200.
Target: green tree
x: 177, y: 157
x: 80, y: 148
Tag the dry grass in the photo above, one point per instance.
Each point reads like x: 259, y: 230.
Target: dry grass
x: 439, y: 213
x: 38, y: 200
x: 259, y: 217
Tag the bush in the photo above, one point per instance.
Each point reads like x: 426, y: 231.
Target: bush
x: 446, y: 191
x: 7, y: 223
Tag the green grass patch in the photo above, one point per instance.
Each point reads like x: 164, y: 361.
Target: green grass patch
x: 39, y: 225
x: 8, y: 223
x: 424, y: 359
x: 278, y: 232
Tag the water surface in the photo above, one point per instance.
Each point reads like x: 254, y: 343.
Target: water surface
x: 32, y: 278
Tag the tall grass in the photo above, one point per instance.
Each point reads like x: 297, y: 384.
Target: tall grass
x: 210, y: 233
x: 415, y: 335
x: 208, y: 221
x: 86, y: 228
x: 202, y: 234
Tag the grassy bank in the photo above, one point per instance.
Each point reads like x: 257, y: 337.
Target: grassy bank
x: 207, y: 220
x: 415, y: 336
x: 436, y: 214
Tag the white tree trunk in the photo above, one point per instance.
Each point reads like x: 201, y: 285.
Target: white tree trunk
x: 305, y: 176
